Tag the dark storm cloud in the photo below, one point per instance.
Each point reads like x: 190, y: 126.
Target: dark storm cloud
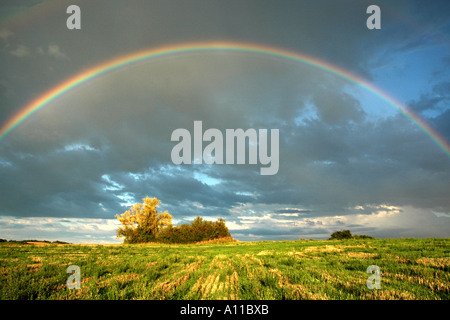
x: 106, y: 144
x: 293, y: 210
x: 436, y: 100
x: 338, y: 108
x: 333, y: 30
x: 441, y: 123
x: 434, y: 106
x: 332, y: 166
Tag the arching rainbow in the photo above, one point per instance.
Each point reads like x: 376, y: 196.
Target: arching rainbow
x: 178, y: 49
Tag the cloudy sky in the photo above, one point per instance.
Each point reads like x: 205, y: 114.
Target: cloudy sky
x: 347, y: 159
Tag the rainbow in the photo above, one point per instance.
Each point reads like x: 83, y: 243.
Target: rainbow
x: 211, y: 47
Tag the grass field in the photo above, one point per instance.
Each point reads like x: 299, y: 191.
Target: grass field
x: 303, y: 269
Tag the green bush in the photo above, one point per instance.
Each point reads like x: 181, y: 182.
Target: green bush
x: 339, y: 235
x: 346, y: 234
x: 362, y: 236
x: 196, y: 231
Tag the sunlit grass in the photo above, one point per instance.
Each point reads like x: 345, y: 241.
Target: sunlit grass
x: 303, y: 269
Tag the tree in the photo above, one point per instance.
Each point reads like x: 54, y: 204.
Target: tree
x: 338, y: 235
x: 142, y: 222
x: 346, y: 234
x: 197, y: 230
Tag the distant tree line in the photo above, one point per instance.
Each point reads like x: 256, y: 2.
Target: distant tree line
x: 27, y: 241
x: 143, y: 223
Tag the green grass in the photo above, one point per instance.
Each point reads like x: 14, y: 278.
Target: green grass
x: 303, y: 269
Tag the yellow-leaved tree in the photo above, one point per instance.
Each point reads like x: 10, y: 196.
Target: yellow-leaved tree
x: 142, y: 222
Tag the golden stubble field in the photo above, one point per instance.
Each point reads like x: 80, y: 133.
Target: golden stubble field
x: 303, y: 269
